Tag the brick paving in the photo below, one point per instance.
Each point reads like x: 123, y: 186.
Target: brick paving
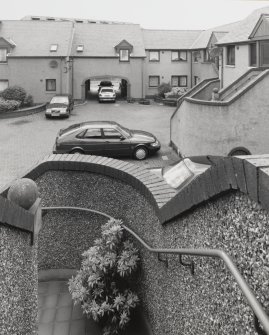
x: 26, y: 140
x: 57, y: 315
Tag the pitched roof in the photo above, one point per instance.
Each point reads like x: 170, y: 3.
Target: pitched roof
x: 35, y: 38
x: 169, y: 39
x: 203, y: 39
x: 99, y: 40
x: 241, y: 32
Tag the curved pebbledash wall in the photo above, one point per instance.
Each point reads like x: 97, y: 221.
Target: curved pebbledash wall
x: 221, y: 211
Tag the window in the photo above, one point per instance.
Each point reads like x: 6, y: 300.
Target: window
x: 196, y: 56
x: 53, y: 47
x: 51, y: 85
x: 230, y: 55
x: 3, y: 55
x: 112, y: 133
x: 3, y: 85
x: 93, y: 133
x: 80, y: 48
x: 196, y: 80
x: 179, y: 56
x: 179, y: 81
x: 264, y: 51
x: 124, y: 55
x: 154, y: 81
x: 154, y: 56
x: 253, y: 54
x: 206, y: 56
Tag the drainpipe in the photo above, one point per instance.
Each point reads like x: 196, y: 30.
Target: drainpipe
x: 221, y: 69
x: 61, y: 75
x: 142, y: 77
x: 191, y: 68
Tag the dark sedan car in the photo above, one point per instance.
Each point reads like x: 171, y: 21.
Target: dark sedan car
x: 105, y: 138
x: 60, y: 106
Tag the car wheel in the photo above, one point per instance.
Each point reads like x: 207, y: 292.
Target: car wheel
x: 140, y: 153
x: 77, y: 151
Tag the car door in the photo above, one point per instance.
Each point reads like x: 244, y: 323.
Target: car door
x: 115, y: 143
x: 92, y: 141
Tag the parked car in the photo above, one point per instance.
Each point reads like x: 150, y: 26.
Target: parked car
x: 107, y: 94
x: 183, y: 172
x: 60, y: 106
x: 105, y: 138
x: 105, y: 83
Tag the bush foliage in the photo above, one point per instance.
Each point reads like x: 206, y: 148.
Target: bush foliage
x: 16, y: 93
x: 102, y: 284
x: 164, y: 88
x: 8, y: 105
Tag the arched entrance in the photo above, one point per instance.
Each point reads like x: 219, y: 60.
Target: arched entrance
x: 90, y: 85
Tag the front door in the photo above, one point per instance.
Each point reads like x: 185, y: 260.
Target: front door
x: 264, y: 51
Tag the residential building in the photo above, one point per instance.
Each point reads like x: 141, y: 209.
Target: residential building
x: 228, y: 115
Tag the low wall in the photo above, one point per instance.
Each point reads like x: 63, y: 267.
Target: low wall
x: 23, y: 112
x: 216, y: 128
x: 174, y: 301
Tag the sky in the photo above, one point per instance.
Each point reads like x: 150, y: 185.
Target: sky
x: 150, y: 14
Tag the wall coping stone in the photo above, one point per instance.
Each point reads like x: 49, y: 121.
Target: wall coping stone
x: 248, y: 174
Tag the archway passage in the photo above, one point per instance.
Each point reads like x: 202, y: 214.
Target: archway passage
x: 120, y: 85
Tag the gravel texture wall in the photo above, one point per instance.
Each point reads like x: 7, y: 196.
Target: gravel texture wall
x: 175, y: 301
x: 18, y: 283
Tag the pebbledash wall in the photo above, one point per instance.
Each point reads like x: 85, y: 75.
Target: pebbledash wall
x: 220, y: 209
x: 19, y: 273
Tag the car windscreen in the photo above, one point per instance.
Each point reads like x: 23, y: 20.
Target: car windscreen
x: 126, y: 132
x: 181, y: 173
x: 106, y: 90
x: 59, y: 100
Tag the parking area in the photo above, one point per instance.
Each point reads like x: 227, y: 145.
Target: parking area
x: 26, y: 140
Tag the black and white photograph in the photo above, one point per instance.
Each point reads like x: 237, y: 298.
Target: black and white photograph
x: 134, y: 167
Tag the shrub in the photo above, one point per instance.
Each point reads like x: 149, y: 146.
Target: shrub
x: 8, y: 105
x: 102, y: 285
x: 16, y: 93
x: 164, y: 88
x: 28, y: 101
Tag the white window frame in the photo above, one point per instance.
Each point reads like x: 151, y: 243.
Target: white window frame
x: 154, y: 59
x: 179, y: 58
x: 80, y: 48
x: 4, y: 81
x: 122, y: 57
x: 228, y: 61
x: 4, y: 55
x: 53, y: 47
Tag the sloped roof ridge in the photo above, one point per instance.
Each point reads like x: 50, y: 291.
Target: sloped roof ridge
x: 196, y: 30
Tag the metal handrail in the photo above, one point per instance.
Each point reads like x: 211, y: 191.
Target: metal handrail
x: 216, y: 253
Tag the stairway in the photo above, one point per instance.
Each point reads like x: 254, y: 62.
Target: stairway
x: 239, y: 85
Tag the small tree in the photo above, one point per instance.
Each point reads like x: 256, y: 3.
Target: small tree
x: 164, y: 88
x: 16, y: 93
x: 102, y: 284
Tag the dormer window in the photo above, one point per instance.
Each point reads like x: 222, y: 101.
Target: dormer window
x: 3, y: 55
x: 123, y: 50
x: 53, y: 47
x: 80, y: 48
x: 124, y: 55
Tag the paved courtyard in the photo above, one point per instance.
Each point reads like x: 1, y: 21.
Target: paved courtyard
x: 26, y: 140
